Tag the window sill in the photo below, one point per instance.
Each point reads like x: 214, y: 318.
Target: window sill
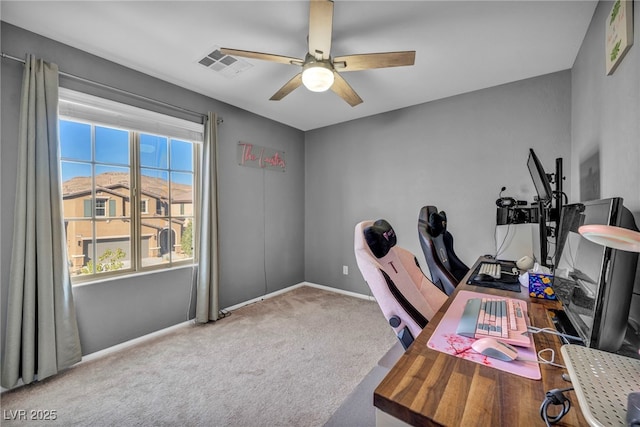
x: 130, y: 276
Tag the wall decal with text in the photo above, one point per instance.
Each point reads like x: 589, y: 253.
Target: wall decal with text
x: 260, y: 157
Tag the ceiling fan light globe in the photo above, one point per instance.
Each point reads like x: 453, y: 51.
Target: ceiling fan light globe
x: 317, y: 79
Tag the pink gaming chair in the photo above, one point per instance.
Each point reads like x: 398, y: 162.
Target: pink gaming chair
x: 408, y: 299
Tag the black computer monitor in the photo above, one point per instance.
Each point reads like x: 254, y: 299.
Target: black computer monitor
x: 540, y: 178
x: 594, y: 282
x: 546, y: 211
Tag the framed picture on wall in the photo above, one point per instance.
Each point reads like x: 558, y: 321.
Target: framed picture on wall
x: 619, y: 33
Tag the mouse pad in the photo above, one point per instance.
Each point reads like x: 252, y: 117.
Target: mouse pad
x: 445, y: 339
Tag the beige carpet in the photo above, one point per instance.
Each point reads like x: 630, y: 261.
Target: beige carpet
x: 286, y: 361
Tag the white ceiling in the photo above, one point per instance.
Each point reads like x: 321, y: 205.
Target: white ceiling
x: 460, y: 46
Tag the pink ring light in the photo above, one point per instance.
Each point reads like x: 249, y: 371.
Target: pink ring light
x: 611, y: 236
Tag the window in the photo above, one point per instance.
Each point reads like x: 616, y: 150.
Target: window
x: 111, y: 178
x: 101, y: 207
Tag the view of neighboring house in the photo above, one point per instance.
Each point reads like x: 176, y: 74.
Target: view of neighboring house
x: 166, y: 211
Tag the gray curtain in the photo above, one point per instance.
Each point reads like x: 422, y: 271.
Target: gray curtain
x: 42, y: 334
x: 207, y: 277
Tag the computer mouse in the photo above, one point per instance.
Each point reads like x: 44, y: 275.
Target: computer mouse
x: 491, y: 347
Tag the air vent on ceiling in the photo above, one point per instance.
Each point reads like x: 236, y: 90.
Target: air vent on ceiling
x: 226, y: 65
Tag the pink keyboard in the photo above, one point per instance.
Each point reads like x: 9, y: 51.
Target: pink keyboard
x: 505, y: 319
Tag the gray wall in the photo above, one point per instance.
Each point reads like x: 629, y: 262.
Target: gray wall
x: 605, y: 117
x: 605, y: 120
x: 261, y: 212
x: 439, y: 153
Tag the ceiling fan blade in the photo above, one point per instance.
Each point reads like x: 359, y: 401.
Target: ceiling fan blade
x: 263, y: 56
x: 320, y: 28
x: 288, y: 87
x: 342, y: 88
x: 368, y: 61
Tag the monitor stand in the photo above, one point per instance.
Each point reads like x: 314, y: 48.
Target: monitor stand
x: 602, y: 382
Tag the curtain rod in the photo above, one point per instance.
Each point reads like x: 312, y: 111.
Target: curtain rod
x: 115, y: 89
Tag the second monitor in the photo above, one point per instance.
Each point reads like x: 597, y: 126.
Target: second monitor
x: 596, y: 283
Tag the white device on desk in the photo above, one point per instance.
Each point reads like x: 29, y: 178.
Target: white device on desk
x: 493, y: 270
x: 490, y: 269
x: 525, y: 263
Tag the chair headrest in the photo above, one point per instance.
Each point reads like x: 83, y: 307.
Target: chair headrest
x: 437, y: 223
x: 380, y: 237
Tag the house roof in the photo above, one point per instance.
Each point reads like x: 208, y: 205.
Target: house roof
x: 112, y: 182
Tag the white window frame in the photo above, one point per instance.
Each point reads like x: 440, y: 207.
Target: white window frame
x: 105, y: 207
x: 80, y: 107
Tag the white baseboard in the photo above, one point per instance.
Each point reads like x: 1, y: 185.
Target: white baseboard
x: 336, y: 290
x: 296, y: 286
x: 262, y: 297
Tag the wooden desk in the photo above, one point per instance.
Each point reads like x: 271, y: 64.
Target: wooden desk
x: 431, y: 388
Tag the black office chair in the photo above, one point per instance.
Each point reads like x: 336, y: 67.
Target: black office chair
x: 446, y: 269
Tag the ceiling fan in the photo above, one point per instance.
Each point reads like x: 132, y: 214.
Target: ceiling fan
x: 320, y: 72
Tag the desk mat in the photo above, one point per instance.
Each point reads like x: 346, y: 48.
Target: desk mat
x: 506, y: 283
x: 445, y: 340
